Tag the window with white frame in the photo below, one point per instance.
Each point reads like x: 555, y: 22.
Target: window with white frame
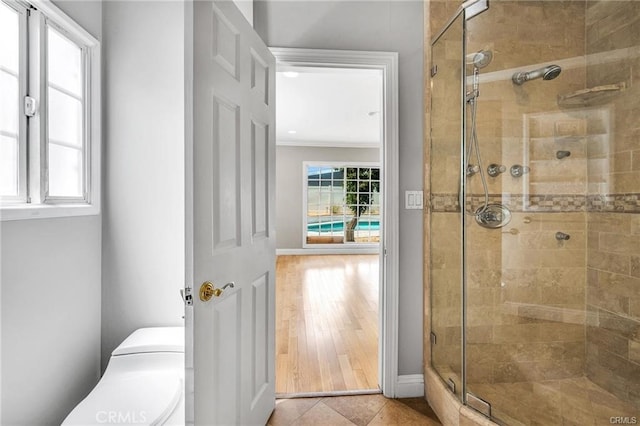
x: 49, y: 112
x: 342, y: 204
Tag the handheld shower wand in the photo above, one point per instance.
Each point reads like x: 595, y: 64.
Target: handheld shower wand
x: 479, y: 60
x: 547, y: 73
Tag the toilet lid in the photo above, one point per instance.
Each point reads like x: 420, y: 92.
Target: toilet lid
x: 135, y: 398
x: 152, y: 339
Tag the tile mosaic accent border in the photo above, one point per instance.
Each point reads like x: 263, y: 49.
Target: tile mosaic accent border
x: 620, y: 203
x: 445, y: 203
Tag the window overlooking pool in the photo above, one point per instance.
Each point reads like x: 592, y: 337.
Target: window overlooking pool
x: 343, y: 204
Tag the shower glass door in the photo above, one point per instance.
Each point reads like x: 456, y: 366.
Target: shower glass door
x: 446, y: 218
x: 552, y: 298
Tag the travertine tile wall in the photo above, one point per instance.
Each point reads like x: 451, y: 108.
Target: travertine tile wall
x: 526, y: 290
x: 613, y: 269
x: 525, y: 303
x: 613, y: 302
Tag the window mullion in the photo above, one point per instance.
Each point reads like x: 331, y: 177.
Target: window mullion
x: 36, y: 124
x: 23, y: 180
x: 87, y: 123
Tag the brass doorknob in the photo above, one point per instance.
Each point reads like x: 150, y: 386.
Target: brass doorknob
x: 208, y: 290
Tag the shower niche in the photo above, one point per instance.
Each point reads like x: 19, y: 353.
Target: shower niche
x: 534, y: 220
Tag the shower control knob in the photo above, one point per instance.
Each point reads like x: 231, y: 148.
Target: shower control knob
x: 517, y: 170
x: 472, y: 170
x: 494, y: 170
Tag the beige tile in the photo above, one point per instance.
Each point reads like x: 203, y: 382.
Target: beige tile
x: 621, y: 162
x: 619, y: 243
x: 603, y: 377
x: 606, y: 339
x: 607, y: 293
x: 515, y: 372
x: 289, y: 410
x: 563, y: 257
x: 396, y: 413
x: 634, y: 351
x: 443, y: 402
x: 635, y: 266
x: 468, y: 417
x: 420, y: 405
x: 359, y: 409
x: 321, y: 415
x: 621, y: 326
x: 635, y: 221
x: 609, y: 222
x: 612, y: 262
x: 562, y: 295
x: 625, y: 181
x: 635, y: 165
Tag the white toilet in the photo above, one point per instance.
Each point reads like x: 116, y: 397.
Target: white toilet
x: 142, y: 385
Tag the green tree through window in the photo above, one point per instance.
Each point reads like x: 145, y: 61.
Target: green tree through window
x: 361, y: 184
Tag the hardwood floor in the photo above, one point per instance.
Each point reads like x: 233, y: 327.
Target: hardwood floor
x: 326, y: 323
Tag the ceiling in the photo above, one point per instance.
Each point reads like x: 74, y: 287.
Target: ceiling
x: 328, y: 106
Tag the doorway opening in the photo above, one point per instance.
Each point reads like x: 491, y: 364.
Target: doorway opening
x: 336, y: 222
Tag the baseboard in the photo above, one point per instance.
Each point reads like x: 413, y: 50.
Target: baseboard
x: 302, y: 252
x: 410, y: 386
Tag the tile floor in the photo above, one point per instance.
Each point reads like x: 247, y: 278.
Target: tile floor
x: 360, y: 410
x: 569, y: 402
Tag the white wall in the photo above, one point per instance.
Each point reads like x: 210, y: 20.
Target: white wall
x: 386, y: 26
x: 143, y: 248
x: 50, y: 279
x: 289, y: 180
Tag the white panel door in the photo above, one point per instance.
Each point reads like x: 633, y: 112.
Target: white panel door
x: 233, y: 228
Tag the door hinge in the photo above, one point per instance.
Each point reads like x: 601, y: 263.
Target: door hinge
x: 478, y: 404
x: 187, y: 296
x: 451, y: 384
x: 30, y: 106
x: 434, y: 70
x: 433, y: 338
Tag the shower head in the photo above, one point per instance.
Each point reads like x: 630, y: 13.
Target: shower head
x: 547, y: 73
x: 480, y: 59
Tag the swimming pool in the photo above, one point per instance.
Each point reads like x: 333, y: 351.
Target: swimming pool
x: 363, y: 225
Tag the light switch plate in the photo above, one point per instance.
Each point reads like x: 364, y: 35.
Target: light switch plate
x: 413, y: 200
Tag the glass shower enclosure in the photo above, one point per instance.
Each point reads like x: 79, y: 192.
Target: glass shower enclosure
x: 535, y: 209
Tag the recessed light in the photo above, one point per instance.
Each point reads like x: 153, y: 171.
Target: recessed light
x: 290, y: 74
x: 292, y: 132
